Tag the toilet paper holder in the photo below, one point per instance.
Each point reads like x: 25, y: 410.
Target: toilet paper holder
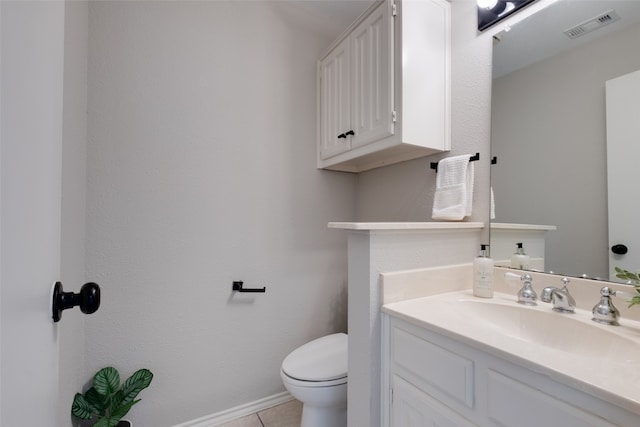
x: 237, y: 286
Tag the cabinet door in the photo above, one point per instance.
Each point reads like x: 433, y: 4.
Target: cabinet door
x: 371, y: 84
x: 334, y: 101
x: 411, y: 407
x: 510, y: 399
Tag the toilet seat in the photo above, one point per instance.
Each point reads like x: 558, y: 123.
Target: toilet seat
x: 322, y: 361
x: 311, y: 384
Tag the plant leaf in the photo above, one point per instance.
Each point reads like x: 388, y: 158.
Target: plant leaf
x: 121, y: 411
x: 117, y: 399
x: 627, y: 275
x: 81, y: 408
x: 96, y: 400
x: 134, y: 385
x: 635, y: 300
x: 106, y: 381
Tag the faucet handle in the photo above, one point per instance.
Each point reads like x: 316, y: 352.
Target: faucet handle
x: 526, y: 295
x: 605, y: 312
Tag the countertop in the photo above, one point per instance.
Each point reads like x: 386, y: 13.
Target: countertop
x: 614, y: 379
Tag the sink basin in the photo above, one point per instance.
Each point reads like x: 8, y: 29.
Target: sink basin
x: 542, y: 326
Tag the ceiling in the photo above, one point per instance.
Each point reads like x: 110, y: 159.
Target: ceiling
x: 541, y: 35
x: 341, y: 13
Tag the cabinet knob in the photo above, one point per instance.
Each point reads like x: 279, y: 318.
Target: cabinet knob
x: 342, y: 135
x: 350, y: 133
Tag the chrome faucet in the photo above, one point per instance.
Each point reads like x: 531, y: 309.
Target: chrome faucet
x: 562, y: 300
x: 526, y: 295
x: 605, y: 312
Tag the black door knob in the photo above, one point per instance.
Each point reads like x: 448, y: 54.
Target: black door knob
x: 619, y: 249
x: 88, y: 299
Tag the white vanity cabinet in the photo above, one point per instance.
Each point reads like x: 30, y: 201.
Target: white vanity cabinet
x: 430, y: 379
x: 383, y: 87
x: 412, y: 407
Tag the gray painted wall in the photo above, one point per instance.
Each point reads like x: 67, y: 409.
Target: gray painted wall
x: 201, y: 171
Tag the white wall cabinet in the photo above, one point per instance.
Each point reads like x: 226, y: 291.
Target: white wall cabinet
x: 383, y: 87
x: 431, y: 379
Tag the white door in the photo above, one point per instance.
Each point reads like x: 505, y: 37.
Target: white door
x: 623, y: 152
x: 32, y: 47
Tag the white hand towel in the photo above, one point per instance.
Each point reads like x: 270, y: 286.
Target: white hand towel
x: 469, y: 188
x: 493, y: 205
x: 454, y: 189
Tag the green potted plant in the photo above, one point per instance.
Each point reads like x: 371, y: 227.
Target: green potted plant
x: 632, y: 279
x: 107, y: 402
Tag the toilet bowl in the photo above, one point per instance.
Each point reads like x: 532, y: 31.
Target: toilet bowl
x: 316, y: 375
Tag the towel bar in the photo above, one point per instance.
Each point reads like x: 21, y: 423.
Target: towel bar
x: 434, y: 165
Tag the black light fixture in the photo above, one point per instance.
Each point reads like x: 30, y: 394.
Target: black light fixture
x: 491, y: 12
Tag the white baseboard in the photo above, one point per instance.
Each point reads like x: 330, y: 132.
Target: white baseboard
x: 239, y: 411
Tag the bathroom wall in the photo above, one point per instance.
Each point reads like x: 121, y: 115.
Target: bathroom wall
x: 404, y: 192
x: 567, y: 181
x: 72, y: 244
x: 201, y: 171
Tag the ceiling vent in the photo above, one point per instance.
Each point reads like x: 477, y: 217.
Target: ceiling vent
x: 592, y: 24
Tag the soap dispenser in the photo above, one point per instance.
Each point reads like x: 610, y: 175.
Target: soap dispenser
x: 519, y: 259
x: 483, y: 274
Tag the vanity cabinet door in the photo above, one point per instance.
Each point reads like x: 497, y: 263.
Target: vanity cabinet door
x: 413, y: 408
x: 510, y: 399
x: 334, y: 103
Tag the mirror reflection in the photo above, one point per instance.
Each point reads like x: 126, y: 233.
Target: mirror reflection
x: 549, y: 134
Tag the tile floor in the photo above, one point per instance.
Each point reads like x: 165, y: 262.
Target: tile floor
x: 287, y: 414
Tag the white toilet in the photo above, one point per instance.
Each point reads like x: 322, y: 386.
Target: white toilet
x: 316, y: 375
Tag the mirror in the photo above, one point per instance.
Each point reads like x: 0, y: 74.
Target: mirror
x: 549, y: 127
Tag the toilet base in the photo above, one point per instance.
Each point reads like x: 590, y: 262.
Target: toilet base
x: 323, y: 417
